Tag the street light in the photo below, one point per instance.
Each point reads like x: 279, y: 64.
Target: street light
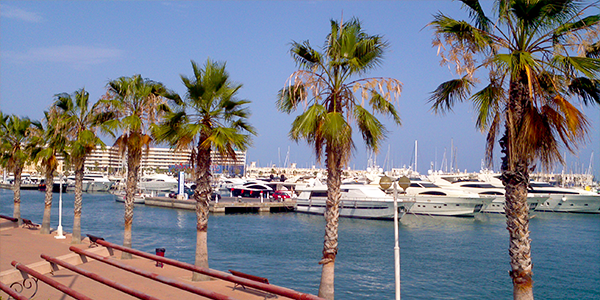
x: 385, y: 183
x: 59, y: 231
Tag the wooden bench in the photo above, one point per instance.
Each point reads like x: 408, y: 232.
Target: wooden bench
x: 248, y: 276
x: 27, y: 223
x: 94, y: 240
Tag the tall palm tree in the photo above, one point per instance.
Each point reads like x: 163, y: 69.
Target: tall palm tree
x: 326, y: 84
x: 209, y: 117
x: 14, y: 139
x: 50, y: 142
x: 538, y: 54
x: 83, y: 122
x: 136, y: 104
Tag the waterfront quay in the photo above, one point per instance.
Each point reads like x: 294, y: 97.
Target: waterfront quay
x: 42, y: 267
x: 227, y: 204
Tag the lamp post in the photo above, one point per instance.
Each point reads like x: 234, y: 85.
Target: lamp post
x: 385, y: 183
x: 59, y: 230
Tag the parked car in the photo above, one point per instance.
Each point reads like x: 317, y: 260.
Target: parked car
x: 280, y: 195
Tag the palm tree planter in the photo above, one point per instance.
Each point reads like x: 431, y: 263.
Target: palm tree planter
x: 208, y: 117
x: 532, y: 74
x: 326, y: 86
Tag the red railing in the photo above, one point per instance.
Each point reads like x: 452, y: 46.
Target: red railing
x: 53, y: 283
x: 96, y: 277
x: 277, y: 290
x: 153, y: 276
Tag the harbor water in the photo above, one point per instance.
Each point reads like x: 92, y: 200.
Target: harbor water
x: 441, y: 257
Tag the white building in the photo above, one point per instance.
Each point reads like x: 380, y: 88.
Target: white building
x: 155, y: 159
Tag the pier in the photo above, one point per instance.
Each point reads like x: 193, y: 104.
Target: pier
x: 227, y: 204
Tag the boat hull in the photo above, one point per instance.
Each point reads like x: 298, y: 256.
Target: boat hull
x: 571, y: 203
x: 497, y: 205
x: 137, y: 199
x: 96, y: 186
x: 448, y: 206
x: 362, y: 209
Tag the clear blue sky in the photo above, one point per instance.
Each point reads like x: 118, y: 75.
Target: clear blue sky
x: 50, y: 47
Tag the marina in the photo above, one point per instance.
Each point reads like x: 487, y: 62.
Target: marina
x: 285, y: 248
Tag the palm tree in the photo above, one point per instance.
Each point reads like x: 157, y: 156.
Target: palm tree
x: 136, y: 104
x: 208, y: 118
x: 15, y: 137
x: 538, y: 55
x: 325, y: 84
x: 83, y: 122
x: 50, y: 141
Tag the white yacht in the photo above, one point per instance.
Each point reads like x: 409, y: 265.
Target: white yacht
x: 566, y: 199
x: 157, y: 182
x: 431, y: 199
x: 91, y: 183
x: 486, y: 189
x: 357, y: 201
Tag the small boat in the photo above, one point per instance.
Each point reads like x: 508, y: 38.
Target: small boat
x: 56, y: 186
x: 138, y: 198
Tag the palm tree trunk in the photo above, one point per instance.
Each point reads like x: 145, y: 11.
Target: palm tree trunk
x: 332, y: 214
x: 17, y: 194
x: 79, y: 165
x: 47, y: 202
x: 202, y: 197
x: 515, y: 176
x: 133, y: 166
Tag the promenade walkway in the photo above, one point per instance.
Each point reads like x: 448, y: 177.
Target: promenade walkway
x: 25, y: 245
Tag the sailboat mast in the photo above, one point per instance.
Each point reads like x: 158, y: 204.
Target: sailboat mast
x: 416, y: 153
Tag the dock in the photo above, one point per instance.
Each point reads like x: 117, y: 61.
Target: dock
x: 227, y: 204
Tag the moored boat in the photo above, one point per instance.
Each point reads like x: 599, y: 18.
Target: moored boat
x: 431, y: 199
x: 566, y: 199
x: 357, y: 201
x: 138, y: 198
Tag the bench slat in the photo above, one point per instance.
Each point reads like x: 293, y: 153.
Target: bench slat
x: 248, y: 276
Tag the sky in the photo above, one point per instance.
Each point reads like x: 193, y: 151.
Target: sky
x: 51, y: 47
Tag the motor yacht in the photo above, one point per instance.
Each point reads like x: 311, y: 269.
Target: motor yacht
x: 158, y: 183
x: 91, y: 183
x: 254, y: 189
x: 566, y: 199
x: 357, y: 201
x: 431, y: 199
x: 487, y: 189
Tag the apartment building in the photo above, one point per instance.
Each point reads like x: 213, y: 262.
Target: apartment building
x: 160, y: 160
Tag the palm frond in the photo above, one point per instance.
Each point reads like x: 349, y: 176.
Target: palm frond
x: 372, y: 130
x: 477, y: 14
x: 570, y: 27
x: 593, y: 50
x: 450, y: 92
x: 587, y: 89
x: 487, y: 103
x: 289, y: 97
x: 304, y: 55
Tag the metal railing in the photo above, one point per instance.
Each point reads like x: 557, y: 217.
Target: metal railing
x: 277, y: 290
